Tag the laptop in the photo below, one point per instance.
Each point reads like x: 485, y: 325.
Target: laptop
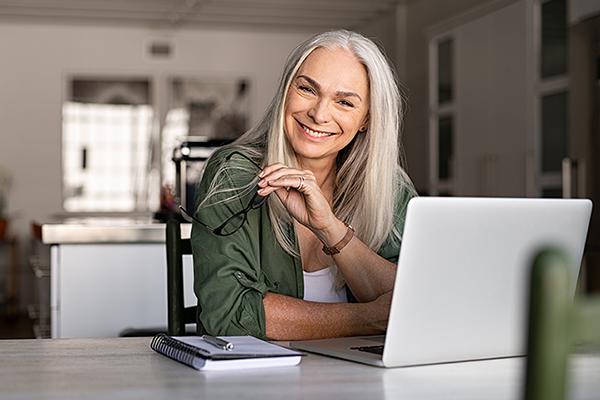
x: 462, y: 284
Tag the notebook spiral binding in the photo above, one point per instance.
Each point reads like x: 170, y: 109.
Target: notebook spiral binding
x: 175, y: 350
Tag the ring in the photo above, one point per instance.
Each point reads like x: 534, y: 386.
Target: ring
x: 301, y: 183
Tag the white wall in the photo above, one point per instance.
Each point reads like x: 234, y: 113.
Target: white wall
x: 35, y: 59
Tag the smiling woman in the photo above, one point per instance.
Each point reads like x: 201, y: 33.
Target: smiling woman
x: 318, y: 258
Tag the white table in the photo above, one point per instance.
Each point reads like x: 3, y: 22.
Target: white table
x: 126, y: 368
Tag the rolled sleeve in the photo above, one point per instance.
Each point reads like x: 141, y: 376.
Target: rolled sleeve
x: 229, y: 292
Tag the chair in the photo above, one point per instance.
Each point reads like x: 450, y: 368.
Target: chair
x: 177, y: 314
x: 556, y: 325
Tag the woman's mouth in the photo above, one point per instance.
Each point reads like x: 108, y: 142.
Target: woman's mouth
x: 314, y: 133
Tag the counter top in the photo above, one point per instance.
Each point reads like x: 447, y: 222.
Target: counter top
x: 107, y: 230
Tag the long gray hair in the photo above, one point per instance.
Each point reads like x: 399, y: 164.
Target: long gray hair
x: 370, y: 173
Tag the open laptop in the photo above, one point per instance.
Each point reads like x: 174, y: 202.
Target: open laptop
x: 462, y: 284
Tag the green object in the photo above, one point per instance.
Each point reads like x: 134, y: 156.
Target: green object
x: 177, y: 314
x: 233, y: 273
x: 557, y: 324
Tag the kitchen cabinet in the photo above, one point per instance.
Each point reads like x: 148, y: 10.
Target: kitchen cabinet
x: 105, y: 277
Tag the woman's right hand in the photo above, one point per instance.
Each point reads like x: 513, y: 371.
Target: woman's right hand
x: 300, y: 194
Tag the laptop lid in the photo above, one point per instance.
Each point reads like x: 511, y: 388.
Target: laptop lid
x: 462, y: 285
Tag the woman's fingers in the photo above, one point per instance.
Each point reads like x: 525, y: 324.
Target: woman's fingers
x: 275, y: 173
x: 282, y: 176
x: 270, y: 169
x: 300, y: 182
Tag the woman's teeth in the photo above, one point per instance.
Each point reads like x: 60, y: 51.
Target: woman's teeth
x: 316, y: 133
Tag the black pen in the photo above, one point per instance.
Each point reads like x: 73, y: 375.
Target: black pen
x: 217, y: 342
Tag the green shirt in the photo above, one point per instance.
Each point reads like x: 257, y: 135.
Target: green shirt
x: 233, y: 273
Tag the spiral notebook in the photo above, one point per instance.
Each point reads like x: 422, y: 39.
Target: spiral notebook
x: 248, y: 352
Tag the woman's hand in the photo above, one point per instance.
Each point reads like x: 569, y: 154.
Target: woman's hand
x: 300, y: 194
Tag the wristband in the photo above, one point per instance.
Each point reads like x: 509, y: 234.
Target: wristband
x: 335, y: 249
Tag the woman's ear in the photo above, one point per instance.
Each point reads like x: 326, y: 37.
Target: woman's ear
x: 365, y: 125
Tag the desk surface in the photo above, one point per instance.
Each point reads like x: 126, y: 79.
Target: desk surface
x: 126, y: 368
x: 106, y: 230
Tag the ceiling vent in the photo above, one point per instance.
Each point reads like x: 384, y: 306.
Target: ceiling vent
x: 160, y: 50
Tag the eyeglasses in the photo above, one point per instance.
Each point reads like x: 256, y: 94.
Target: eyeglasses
x: 237, y: 220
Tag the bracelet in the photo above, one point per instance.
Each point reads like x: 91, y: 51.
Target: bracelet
x: 335, y: 249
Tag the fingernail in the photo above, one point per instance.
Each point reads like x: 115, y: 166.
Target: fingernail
x: 261, y: 174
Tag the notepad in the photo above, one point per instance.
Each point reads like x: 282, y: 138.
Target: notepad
x: 248, y: 352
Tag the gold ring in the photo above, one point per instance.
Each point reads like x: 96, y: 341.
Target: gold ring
x: 301, y: 183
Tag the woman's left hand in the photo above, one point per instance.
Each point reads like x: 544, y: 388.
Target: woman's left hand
x: 300, y: 194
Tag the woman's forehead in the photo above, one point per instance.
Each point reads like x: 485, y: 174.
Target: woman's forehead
x: 338, y: 69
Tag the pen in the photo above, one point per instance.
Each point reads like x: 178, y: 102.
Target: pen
x: 217, y: 342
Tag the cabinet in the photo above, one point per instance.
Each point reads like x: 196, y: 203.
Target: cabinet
x: 107, y: 278
x: 98, y: 290
x: 491, y: 140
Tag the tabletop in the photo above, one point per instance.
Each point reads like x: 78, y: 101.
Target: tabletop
x: 126, y: 368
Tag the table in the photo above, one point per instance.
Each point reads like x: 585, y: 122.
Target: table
x: 126, y: 368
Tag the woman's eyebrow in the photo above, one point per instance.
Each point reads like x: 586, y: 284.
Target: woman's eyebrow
x: 339, y: 93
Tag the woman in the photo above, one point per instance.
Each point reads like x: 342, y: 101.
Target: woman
x: 325, y: 162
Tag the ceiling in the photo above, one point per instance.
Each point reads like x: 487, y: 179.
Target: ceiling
x: 260, y: 14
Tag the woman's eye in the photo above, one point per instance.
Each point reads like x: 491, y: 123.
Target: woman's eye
x: 345, y: 103
x: 306, y: 89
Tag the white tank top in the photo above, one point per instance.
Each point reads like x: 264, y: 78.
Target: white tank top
x: 320, y: 286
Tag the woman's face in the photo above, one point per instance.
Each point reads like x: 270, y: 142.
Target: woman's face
x: 327, y: 104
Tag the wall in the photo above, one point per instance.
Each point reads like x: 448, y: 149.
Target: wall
x: 388, y: 31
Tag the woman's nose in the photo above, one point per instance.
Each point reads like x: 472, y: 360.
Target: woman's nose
x: 319, y: 112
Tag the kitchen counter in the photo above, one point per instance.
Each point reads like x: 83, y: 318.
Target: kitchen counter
x: 107, y: 230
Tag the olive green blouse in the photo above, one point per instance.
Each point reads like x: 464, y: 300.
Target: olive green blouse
x: 233, y: 273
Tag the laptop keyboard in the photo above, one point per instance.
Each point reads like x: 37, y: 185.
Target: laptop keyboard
x: 369, y: 349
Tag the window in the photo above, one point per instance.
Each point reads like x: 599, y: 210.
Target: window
x: 554, y: 131
x: 442, y: 108
x: 445, y: 138
x: 445, y: 71
x: 107, y: 143
x: 552, y: 96
x: 554, y: 38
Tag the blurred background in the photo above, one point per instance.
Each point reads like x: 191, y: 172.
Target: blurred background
x: 109, y: 107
